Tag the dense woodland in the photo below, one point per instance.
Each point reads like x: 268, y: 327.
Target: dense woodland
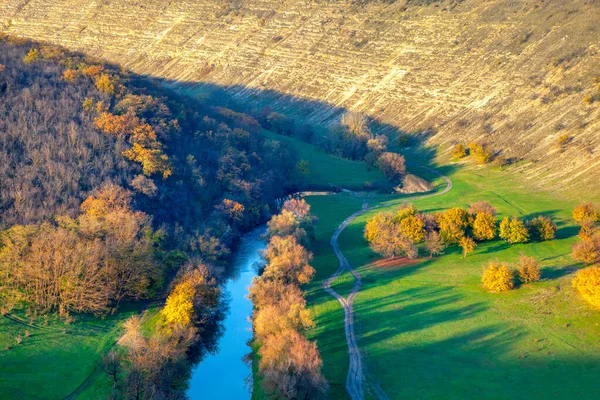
x: 113, y: 189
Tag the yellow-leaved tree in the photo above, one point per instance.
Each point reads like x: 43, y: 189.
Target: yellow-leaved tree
x: 587, y: 283
x: 497, y: 277
x: 179, y: 309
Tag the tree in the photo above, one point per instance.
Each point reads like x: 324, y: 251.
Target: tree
x: 153, y: 160
x: 299, y: 207
x: 587, y: 251
x: 587, y: 283
x: 179, y: 308
x: 287, y: 261
x: 284, y: 224
x: 32, y: 56
x: 484, y: 226
x: 111, y: 362
x: 109, y: 198
x: 513, y: 230
x: 385, y: 237
x: 105, y: 84
x: 453, y: 224
x: 413, y: 227
x: 481, y: 153
x: 433, y: 244
x: 497, y: 277
x: 528, y: 269
x: 542, y: 228
x: 266, y: 292
x: 482, y: 207
x: 291, y: 367
x: 459, y: 151
x: 586, y: 211
x: 392, y: 165
x: 276, y: 318
x: 586, y: 215
x: 468, y: 245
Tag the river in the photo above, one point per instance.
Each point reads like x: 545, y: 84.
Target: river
x: 223, y: 375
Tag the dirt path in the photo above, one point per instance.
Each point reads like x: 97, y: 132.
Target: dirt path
x: 355, y: 378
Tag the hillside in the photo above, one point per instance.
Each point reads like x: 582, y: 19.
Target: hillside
x: 515, y: 74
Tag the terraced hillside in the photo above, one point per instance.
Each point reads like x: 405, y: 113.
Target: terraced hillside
x: 514, y: 73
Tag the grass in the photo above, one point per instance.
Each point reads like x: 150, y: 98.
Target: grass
x: 326, y: 169
x: 56, y: 359
x: 428, y: 330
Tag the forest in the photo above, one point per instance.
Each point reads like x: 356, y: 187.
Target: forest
x: 115, y: 190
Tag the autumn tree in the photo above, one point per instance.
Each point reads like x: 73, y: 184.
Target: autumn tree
x: 179, y: 308
x: 513, y: 230
x: 468, y: 245
x: 105, y: 84
x: 287, y: 261
x: 587, y: 283
x: 459, y: 151
x: 481, y: 152
x: 385, y: 237
x: 587, y: 251
x: 33, y: 56
x: 453, y: 224
x: 290, y: 367
x: 433, y: 244
x: 109, y: 198
x: 482, y: 207
x: 392, y: 165
x: 484, y: 226
x: 497, y: 277
x: 413, y: 227
x: 586, y: 215
x: 528, y: 269
x: 542, y: 228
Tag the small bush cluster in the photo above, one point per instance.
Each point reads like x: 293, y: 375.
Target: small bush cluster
x: 499, y: 277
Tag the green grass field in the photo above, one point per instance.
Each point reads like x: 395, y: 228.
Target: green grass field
x: 326, y: 170
x: 428, y: 330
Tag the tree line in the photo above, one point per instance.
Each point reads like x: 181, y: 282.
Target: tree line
x: 399, y: 234
x: 289, y: 364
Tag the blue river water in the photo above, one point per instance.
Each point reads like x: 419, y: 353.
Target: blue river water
x: 223, y: 375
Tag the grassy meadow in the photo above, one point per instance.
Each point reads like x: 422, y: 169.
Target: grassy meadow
x: 428, y: 330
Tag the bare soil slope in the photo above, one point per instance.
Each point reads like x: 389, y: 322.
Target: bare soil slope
x: 513, y: 73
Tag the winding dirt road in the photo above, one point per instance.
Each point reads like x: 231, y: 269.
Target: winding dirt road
x: 355, y: 378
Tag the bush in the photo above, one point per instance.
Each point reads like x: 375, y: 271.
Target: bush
x: 459, y: 151
x: 542, y: 228
x: 482, y: 154
x: 528, y: 269
x: 587, y: 283
x: 497, y: 277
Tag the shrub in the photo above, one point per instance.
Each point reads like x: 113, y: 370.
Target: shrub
x: 542, y: 228
x: 529, y: 269
x: 482, y: 154
x: 497, y: 278
x: 563, y: 141
x: 459, y: 151
x: 587, y: 283
x: 468, y: 245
